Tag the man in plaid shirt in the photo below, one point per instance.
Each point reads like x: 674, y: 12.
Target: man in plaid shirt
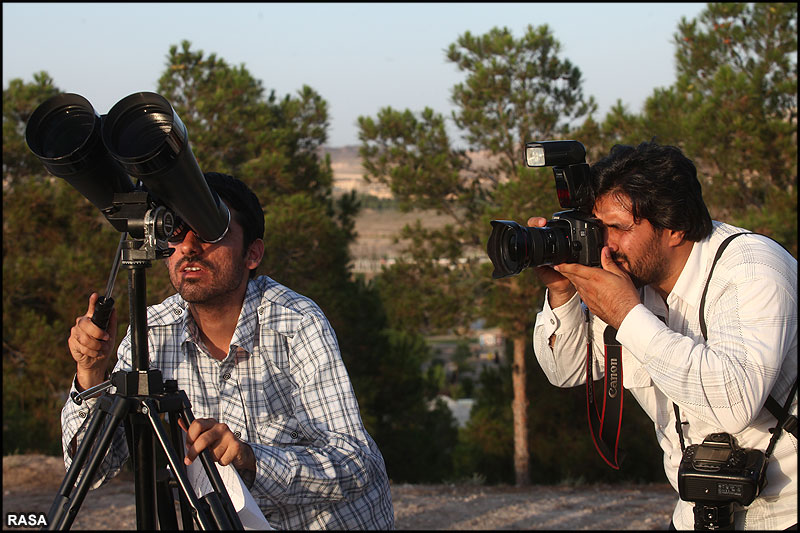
x: 261, y: 367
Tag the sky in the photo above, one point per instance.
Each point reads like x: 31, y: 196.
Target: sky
x: 360, y: 57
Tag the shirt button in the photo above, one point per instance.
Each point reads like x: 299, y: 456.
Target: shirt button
x: 82, y: 414
x: 552, y: 321
x: 177, y: 311
x: 294, y: 434
x: 226, y: 376
x: 237, y: 434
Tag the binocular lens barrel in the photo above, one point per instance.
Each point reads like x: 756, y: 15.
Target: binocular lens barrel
x: 64, y: 133
x: 141, y: 137
x: 145, y: 135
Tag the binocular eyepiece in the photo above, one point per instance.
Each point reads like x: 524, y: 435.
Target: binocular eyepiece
x: 140, y: 137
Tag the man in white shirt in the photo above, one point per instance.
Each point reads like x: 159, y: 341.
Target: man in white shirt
x: 659, y: 246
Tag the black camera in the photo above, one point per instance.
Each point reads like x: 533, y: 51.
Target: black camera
x: 572, y: 236
x: 717, y: 474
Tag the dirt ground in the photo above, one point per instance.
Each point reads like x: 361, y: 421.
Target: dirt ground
x: 30, y: 483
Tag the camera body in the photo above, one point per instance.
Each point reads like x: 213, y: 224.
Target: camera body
x: 716, y: 474
x: 571, y: 236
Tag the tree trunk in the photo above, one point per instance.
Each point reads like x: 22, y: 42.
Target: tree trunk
x: 519, y: 407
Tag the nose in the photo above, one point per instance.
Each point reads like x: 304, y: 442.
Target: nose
x: 191, y: 244
x: 608, y: 240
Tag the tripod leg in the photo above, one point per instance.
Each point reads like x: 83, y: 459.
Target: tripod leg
x: 213, y: 474
x: 64, y: 509
x: 167, y: 518
x: 144, y: 468
x: 177, y: 443
x: 177, y: 466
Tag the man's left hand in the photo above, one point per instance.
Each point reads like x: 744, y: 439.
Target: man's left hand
x: 608, y: 292
x: 207, y: 433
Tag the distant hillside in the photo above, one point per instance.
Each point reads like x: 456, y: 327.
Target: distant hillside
x: 348, y: 173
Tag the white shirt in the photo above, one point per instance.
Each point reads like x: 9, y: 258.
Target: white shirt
x: 719, y: 385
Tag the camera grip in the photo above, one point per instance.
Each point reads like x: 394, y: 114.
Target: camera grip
x: 102, y: 312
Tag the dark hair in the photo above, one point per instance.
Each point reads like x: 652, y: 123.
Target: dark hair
x: 661, y: 183
x: 244, y: 205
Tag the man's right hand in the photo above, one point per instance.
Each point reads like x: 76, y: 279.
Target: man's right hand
x: 91, y: 347
x: 560, y: 289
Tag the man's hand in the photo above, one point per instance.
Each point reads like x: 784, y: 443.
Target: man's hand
x: 560, y: 290
x: 608, y: 292
x: 207, y: 433
x: 91, y: 347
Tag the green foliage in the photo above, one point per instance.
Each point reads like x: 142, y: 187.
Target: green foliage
x: 416, y: 441
x: 733, y: 110
x: 19, y: 102
x: 57, y: 249
x: 272, y: 144
x: 737, y: 78
x: 398, y: 148
x: 516, y: 91
x: 560, y: 445
x: 486, y: 445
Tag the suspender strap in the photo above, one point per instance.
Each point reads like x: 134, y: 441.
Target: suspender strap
x: 605, y: 426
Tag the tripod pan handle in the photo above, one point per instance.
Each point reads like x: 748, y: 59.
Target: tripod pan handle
x: 102, y: 312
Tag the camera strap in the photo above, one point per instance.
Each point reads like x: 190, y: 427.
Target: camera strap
x: 605, y: 425
x: 786, y: 421
x: 781, y: 413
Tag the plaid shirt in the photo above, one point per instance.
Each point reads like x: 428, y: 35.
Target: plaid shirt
x: 719, y: 385
x: 284, y: 390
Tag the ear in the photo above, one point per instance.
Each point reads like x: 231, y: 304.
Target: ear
x: 254, y: 254
x: 675, y: 238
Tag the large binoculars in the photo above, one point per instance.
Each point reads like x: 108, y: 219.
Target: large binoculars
x: 140, y: 137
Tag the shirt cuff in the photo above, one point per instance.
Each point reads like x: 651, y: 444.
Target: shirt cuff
x: 638, y: 330
x: 565, y: 316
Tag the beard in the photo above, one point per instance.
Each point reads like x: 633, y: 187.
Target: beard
x: 224, y: 281
x: 649, y: 269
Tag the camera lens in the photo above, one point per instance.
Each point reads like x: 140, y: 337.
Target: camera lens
x: 513, y: 248
x: 514, y: 245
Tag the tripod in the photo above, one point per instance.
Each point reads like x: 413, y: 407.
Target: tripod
x: 141, y: 396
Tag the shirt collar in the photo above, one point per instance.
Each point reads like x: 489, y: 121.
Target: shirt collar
x: 243, y: 335
x: 690, y: 284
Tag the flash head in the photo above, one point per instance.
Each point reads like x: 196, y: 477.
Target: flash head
x: 554, y: 153
x: 64, y: 132
x: 146, y: 137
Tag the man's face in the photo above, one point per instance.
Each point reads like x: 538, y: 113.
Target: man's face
x: 205, y: 273
x: 637, y: 247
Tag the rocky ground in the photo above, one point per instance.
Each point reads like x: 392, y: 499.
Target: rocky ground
x: 30, y: 483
